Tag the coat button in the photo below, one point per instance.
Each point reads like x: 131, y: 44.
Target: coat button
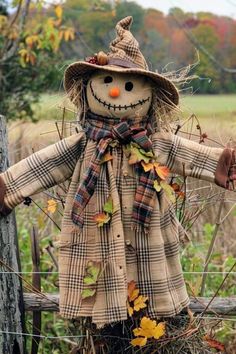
x: 128, y: 242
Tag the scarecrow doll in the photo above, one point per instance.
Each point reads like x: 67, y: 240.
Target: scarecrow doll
x: 119, y: 223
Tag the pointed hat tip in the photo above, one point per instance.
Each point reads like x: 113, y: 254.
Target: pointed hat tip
x: 125, y: 23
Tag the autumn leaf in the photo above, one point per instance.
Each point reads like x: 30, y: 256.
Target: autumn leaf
x: 146, y: 328
x: 131, y: 288
x: 150, y: 329
x: 169, y: 191
x: 147, y: 166
x: 130, y: 309
x: 139, y: 303
x: 134, y: 295
x: 106, y: 157
x: 92, y: 272
x: 52, y: 206
x: 108, y: 206
x: 137, y: 154
x: 157, y: 186
x: 102, y: 218
x: 213, y: 343
x: 58, y: 11
x: 88, y: 293
x: 159, y: 330
x: 141, y: 341
x: 161, y: 171
x: 69, y: 34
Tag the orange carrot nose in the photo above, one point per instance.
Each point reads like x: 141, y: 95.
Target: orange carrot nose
x: 114, y: 92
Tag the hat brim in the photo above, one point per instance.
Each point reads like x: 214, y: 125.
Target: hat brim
x: 80, y: 69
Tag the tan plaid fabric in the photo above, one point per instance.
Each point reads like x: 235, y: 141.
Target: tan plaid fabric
x: 125, y: 46
x: 151, y: 260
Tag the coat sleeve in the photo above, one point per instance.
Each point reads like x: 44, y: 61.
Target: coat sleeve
x: 40, y: 171
x: 188, y: 158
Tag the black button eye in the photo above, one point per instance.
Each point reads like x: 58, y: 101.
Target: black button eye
x: 108, y: 79
x: 129, y: 86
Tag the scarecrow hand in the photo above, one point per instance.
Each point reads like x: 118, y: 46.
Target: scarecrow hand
x: 188, y: 158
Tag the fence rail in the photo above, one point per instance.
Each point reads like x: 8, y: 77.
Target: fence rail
x: 49, y: 302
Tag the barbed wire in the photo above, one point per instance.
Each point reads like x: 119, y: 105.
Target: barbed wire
x: 49, y: 273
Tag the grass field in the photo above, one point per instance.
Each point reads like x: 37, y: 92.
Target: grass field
x: 203, y: 106
x: 210, y: 106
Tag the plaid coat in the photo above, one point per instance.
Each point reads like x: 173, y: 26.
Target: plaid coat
x: 152, y: 261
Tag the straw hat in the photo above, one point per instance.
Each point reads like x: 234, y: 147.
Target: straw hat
x: 125, y: 57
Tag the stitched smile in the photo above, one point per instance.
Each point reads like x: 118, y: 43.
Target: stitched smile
x: 119, y: 107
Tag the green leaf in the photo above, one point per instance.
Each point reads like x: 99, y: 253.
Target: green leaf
x: 168, y: 190
x: 92, y: 273
x: 137, y: 154
x: 88, y: 293
x: 157, y: 186
x: 108, y: 206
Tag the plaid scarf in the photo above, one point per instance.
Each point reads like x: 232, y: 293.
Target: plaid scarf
x: 104, y: 131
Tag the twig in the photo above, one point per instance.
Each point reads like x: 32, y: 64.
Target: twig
x: 213, y: 240
x: 36, y: 281
x: 217, y: 291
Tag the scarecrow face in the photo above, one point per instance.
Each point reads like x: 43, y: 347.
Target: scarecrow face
x: 119, y: 95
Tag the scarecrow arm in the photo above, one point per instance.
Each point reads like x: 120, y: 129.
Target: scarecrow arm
x: 40, y: 171
x: 188, y: 158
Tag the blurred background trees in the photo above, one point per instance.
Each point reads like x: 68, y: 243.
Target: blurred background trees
x: 42, y: 39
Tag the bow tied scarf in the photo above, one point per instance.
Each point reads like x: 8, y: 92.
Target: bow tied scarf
x: 105, y: 131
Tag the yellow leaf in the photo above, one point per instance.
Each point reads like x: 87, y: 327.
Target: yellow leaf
x: 69, y: 34
x: 139, y: 303
x: 52, y: 206
x: 130, y: 309
x: 58, y: 11
x: 147, y: 166
x: 150, y: 329
x: 162, y: 171
x: 159, y: 330
x: 140, y: 341
x: 102, y: 218
x: 146, y: 328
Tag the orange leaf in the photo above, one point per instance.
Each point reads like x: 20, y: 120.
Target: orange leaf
x: 140, y: 341
x: 131, y: 287
x: 101, y: 219
x: 175, y: 187
x: 106, y: 157
x: 134, y: 295
x: 162, y: 171
x: 213, y: 343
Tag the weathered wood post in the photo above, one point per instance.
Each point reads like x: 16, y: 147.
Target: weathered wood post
x: 11, y: 295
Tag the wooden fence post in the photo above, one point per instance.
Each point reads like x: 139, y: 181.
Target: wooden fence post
x: 11, y: 295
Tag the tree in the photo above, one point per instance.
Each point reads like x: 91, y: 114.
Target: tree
x: 29, y: 43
